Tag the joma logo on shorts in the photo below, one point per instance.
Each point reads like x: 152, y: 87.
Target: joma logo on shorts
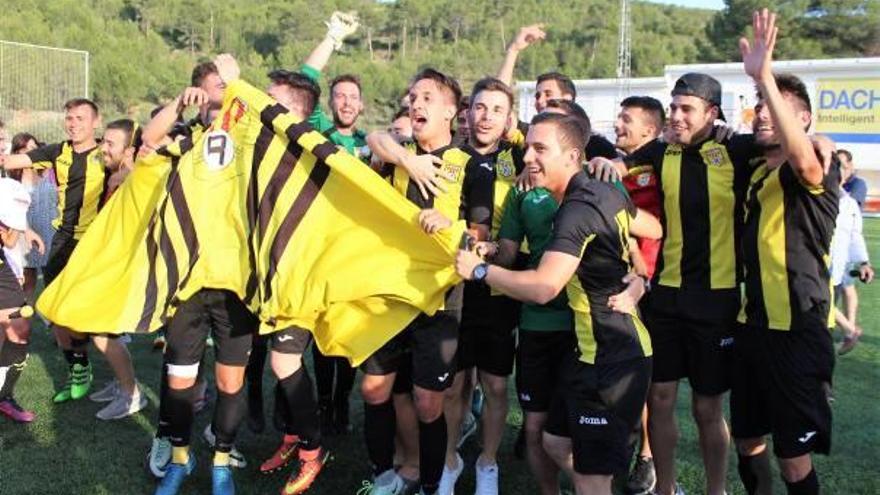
x: 588, y: 420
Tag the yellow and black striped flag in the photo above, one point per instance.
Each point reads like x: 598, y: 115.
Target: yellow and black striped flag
x: 264, y: 206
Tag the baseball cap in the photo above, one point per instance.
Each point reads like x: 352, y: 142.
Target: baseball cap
x: 14, y: 202
x: 702, y: 86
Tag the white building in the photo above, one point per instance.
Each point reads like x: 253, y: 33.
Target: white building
x: 845, y: 95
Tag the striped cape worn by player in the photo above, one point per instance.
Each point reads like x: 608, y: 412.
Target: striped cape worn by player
x: 264, y: 206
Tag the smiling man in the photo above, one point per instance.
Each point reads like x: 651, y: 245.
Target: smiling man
x: 606, y: 375
x: 81, y: 176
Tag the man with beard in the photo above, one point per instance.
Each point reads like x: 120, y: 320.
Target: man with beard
x: 486, y: 336
x: 448, y: 185
x: 784, y: 356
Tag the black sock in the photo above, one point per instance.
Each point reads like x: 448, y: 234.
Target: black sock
x: 12, y: 358
x: 76, y: 357
x: 180, y: 415
x: 345, y: 376
x: 79, y: 351
x: 254, y: 374
x: 162, y: 429
x: 807, y: 486
x: 228, y: 413
x: 746, y: 474
x: 302, y: 408
x: 323, y: 374
x: 380, y: 425
x: 432, y: 452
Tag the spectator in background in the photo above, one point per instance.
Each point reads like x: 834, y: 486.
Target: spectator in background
x: 855, y: 186
x: 44, y: 202
x: 401, y: 125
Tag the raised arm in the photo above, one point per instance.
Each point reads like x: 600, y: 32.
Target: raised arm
x: 758, y: 61
x: 526, y: 37
x: 340, y: 26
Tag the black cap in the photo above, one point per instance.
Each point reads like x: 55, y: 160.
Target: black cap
x: 702, y: 86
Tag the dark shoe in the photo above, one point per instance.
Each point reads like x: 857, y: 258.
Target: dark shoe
x: 642, y: 478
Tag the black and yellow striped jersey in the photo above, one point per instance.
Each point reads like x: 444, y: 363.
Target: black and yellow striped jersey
x: 468, y: 196
x: 786, y: 249
x: 82, y: 183
x: 506, y: 164
x: 702, y: 190
x: 593, y: 224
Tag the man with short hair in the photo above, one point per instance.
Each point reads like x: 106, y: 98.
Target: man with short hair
x: 486, y: 336
x: 606, y: 375
x: 401, y: 125
x: 640, y: 121
x: 81, y: 188
x: 853, y: 184
x: 784, y: 355
x: 448, y: 185
x: 694, y: 300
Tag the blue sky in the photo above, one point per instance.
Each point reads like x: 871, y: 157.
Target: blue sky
x: 706, y: 4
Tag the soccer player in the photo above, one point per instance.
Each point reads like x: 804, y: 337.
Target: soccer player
x: 14, y: 202
x: 82, y: 186
x: 118, y: 147
x: 694, y: 300
x: 595, y: 409
x: 640, y: 121
x: 486, y: 336
x: 401, y: 125
x: 447, y: 184
x: 783, y: 348
x: 208, y: 311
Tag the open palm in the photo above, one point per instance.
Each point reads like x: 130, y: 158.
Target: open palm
x: 758, y: 55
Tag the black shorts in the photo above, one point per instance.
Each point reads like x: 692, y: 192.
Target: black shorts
x: 487, y: 338
x: 539, y: 359
x: 62, y: 247
x: 689, y: 343
x: 779, y: 388
x: 11, y: 293
x: 291, y: 340
x: 600, y: 409
x: 429, y: 343
x: 210, y: 311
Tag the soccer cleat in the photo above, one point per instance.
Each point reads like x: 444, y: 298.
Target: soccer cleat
x: 221, y: 481
x: 282, y: 456
x: 487, y: 479
x: 123, y: 405
x: 236, y: 458
x: 159, y: 456
x: 81, y: 381
x: 11, y: 409
x: 642, y: 478
x: 450, y: 477
x: 387, y: 483
x: 310, y: 465
x: 174, y: 476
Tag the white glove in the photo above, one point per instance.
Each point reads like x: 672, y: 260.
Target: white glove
x: 340, y: 26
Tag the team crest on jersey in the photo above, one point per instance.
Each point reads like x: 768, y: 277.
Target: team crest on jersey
x: 504, y: 167
x: 454, y: 171
x: 644, y: 179
x: 714, y: 156
x: 217, y: 150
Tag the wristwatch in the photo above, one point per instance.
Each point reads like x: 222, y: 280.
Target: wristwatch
x: 480, y: 272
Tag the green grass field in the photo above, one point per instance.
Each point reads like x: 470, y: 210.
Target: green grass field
x: 68, y: 451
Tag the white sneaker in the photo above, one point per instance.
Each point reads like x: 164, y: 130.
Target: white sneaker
x: 450, y: 477
x: 159, y: 456
x: 107, y: 393
x: 123, y: 405
x: 387, y: 483
x: 236, y: 458
x: 487, y: 479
